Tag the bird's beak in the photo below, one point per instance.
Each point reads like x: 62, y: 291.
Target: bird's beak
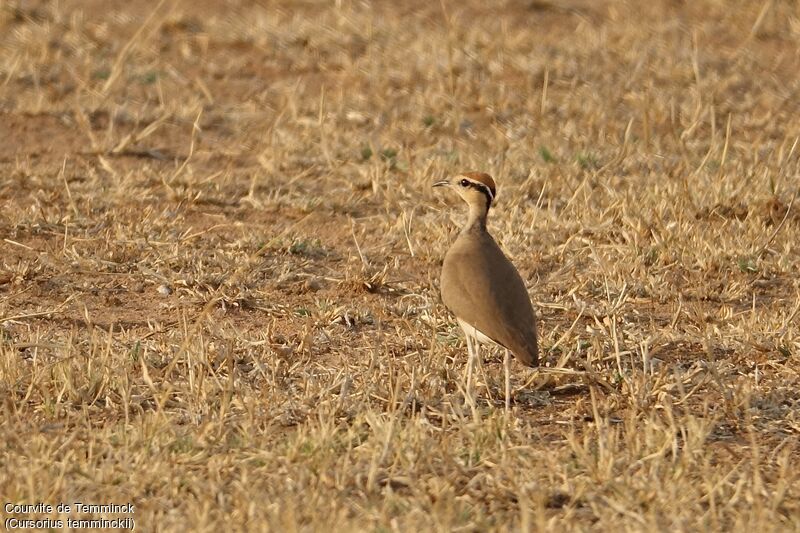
x: 441, y: 183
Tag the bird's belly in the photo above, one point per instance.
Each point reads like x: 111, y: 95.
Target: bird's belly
x: 474, y: 332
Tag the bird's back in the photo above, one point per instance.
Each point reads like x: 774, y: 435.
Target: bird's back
x: 483, y: 288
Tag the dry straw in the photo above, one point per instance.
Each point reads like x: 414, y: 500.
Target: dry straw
x: 219, y: 255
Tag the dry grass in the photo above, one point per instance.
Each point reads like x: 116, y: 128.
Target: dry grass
x: 220, y: 253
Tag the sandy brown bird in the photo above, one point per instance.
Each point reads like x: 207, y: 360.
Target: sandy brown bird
x: 482, y: 287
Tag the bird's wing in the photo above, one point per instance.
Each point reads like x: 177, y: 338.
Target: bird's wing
x: 484, y: 289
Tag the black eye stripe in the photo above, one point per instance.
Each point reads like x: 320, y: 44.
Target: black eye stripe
x: 480, y: 187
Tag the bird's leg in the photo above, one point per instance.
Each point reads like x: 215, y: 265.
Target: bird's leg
x: 507, y: 365
x: 479, y: 361
x: 483, y: 370
x: 469, y: 352
x: 470, y: 364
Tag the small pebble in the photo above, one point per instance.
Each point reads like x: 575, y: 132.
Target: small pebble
x: 163, y: 289
x: 284, y: 351
x: 313, y: 284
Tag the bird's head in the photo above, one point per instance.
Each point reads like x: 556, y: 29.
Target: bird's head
x: 475, y: 188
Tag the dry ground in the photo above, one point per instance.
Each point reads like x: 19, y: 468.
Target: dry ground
x: 219, y: 254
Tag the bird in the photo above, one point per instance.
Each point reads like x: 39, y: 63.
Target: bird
x: 481, y: 286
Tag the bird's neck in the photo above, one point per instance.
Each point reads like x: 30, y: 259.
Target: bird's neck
x: 476, y: 219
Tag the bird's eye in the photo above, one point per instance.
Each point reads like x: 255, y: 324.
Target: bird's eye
x: 464, y: 183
